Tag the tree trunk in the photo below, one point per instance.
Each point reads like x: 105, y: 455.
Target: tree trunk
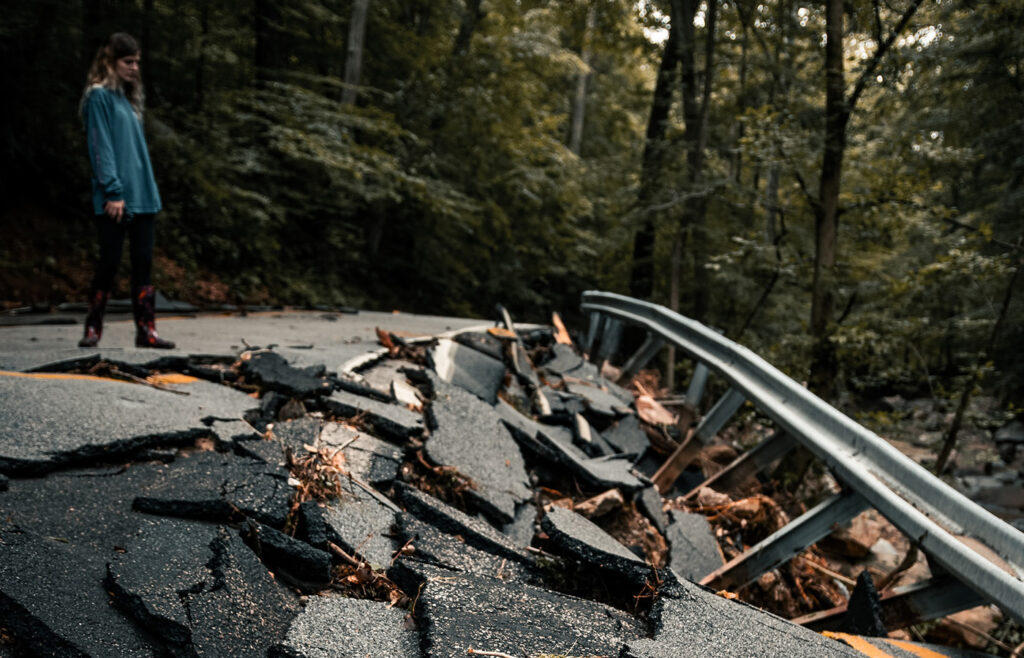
x: 826, y: 221
x: 579, y: 101
x: 266, y: 27
x: 695, y: 114
x: 824, y: 365
x: 470, y: 18
x: 354, y: 51
x: 641, y: 278
x: 204, y: 21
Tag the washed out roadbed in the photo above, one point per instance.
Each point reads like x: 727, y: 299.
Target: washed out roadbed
x: 487, y: 492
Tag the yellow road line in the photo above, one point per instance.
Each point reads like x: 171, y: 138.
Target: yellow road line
x: 58, y: 375
x: 171, y: 378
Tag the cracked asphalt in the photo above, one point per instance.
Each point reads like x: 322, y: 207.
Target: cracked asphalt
x: 164, y: 520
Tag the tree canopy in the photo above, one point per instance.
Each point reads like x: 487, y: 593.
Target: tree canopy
x: 522, y: 151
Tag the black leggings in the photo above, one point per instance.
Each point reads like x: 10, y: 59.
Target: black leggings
x: 111, y: 235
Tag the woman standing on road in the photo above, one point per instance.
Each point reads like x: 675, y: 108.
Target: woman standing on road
x: 124, y: 194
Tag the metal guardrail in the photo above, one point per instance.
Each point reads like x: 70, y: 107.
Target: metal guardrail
x: 938, y: 519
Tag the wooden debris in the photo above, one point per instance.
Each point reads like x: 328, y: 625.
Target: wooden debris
x: 600, y: 504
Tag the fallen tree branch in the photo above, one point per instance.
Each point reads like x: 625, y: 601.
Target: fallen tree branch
x: 497, y: 654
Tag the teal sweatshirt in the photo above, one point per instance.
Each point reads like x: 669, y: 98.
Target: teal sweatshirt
x: 121, y: 169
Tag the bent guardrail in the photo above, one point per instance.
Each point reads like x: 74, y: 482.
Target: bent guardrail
x: 938, y: 519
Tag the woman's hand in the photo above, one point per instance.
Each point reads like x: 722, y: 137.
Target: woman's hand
x: 114, y: 210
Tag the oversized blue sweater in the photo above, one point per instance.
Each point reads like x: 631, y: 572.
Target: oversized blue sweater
x: 121, y: 169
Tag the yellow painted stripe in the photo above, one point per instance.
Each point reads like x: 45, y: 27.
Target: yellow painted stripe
x: 858, y: 643
x: 58, y: 375
x: 923, y: 652
x: 171, y: 378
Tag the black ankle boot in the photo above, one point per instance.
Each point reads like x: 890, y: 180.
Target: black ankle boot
x: 144, y: 306
x: 94, y: 320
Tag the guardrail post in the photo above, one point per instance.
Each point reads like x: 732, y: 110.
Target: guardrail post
x: 695, y: 390
x: 610, y: 338
x: 719, y: 415
x: 687, y: 451
x: 594, y: 330
x: 652, y: 343
x: 748, y: 464
x: 787, y: 542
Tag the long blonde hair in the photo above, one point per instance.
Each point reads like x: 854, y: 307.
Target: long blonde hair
x: 103, y: 74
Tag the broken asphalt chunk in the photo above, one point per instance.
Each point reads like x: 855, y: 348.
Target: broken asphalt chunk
x: 201, y: 590
x: 446, y: 518
x: 693, y: 550
x: 563, y: 358
x: 367, y: 458
x: 468, y: 434
x: 483, y: 342
x: 390, y: 420
x: 627, y: 437
x: 602, y: 473
x: 580, y: 538
x: 53, y: 603
x: 691, y: 621
x: 216, y: 487
x: 649, y: 502
x: 361, y: 523
x: 864, y: 609
x: 271, y: 372
x: 297, y: 433
x: 601, y: 405
x: 468, y: 611
x: 102, y: 419
x: 446, y: 550
x: 296, y: 561
x: 340, y: 627
x: 468, y: 368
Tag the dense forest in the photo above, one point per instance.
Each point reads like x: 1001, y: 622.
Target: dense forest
x: 836, y: 184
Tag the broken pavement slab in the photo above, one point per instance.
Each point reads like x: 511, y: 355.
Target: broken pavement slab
x: 201, y: 590
x: 601, y: 405
x: 216, y: 487
x: 296, y: 561
x: 600, y: 473
x: 53, y: 603
x: 468, y: 434
x: 474, y: 532
x: 367, y: 458
x: 468, y: 369
x: 582, y: 539
x: 627, y: 437
x: 464, y: 611
x: 391, y: 420
x: 692, y: 621
x: 101, y: 419
x: 271, y: 372
x: 361, y: 523
x: 449, y: 551
x: 333, y: 626
x: 693, y: 550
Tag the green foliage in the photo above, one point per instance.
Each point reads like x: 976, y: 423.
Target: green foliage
x: 448, y: 185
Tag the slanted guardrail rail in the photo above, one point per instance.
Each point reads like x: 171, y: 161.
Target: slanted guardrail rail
x: 949, y: 528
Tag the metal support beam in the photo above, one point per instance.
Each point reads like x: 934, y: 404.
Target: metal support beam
x: 907, y: 605
x: 651, y: 345
x: 594, y: 330
x: 748, y: 464
x: 610, y: 338
x: 719, y: 415
x: 695, y: 391
x: 787, y: 542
